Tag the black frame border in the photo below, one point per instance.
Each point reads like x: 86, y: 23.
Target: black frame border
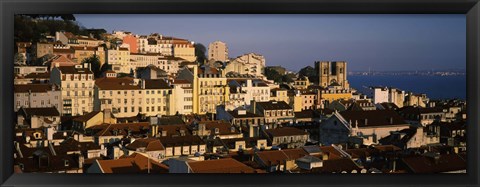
x: 471, y: 8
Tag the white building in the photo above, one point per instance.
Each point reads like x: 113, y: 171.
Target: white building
x: 218, y: 51
x: 183, y: 91
x: 119, y: 59
x: 380, y: 95
x: 251, y: 63
x: 127, y: 97
x: 76, y: 83
x: 37, y: 96
x: 254, y: 89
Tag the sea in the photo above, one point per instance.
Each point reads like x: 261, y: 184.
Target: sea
x: 436, y: 87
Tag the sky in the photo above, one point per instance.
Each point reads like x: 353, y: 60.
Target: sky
x: 375, y: 42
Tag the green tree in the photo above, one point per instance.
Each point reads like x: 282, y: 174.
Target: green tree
x: 94, y: 62
x: 200, y: 53
x: 310, y: 73
x: 272, y: 74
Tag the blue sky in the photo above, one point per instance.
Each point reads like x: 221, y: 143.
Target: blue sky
x: 379, y: 42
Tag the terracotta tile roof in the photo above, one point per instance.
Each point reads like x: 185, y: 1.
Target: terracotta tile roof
x: 84, y: 48
x: 181, y: 141
x: 86, y: 117
x: 419, y: 110
x: 374, y: 118
x: 274, y: 105
x: 135, y: 163
x: 34, y: 88
x: 174, y: 130
x: 150, y: 144
x: 113, y: 83
x: 425, y: 164
x: 226, y: 165
x: 246, y: 115
x: 181, y: 81
x: 278, y: 157
x: 50, y: 111
x: 63, y: 50
x: 45, y: 75
x: 120, y: 129
x: 285, y: 131
x: 224, y: 127
x: 73, y: 70
x: 156, y: 84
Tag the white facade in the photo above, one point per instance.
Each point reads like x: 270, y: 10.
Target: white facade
x: 76, y: 84
x: 37, y: 96
x: 119, y: 59
x: 132, y: 97
x: 183, y: 91
x: 380, y: 95
x: 251, y: 63
x: 25, y: 70
x: 218, y: 51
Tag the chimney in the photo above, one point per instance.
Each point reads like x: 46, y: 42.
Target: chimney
x: 107, y: 114
x: 80, y: 161
x: 50, y: 132
x: 164, y: 133
x: 391, y: 120
x: 366, y: 121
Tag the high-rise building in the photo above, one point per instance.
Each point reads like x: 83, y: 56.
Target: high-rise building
x: 218, y: 51
x: 332, y: 73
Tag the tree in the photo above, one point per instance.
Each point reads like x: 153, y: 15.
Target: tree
x: 19, y: 59
x: 200, y: 51
x: 94, y: 62
x: 288, y: 78
x: 272, y: 74
x: 310, y: 73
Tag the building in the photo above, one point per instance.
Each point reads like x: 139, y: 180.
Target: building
x: 83, y: 52
x: 248, y: 122
x: 422, y: 116
x: 119, y: 60
x: 76, y: 83
x: 132, y: 42
x: 183, y: 90
x: 37, y: 96
x: 254, y: 89
x: 216, y: 129
x: 368, y: 126
x: 218, y: 51
x: 275, y: 113
x: 279, y: 160
x: 91, y: 119
x: 332, y: 72
x: 287, y: 137
x: 279, y: 94
x: 38, y: 117
x: 184, y: 49
x: 210, y: 88
x: 25, y: 70
x: 127, y: 97
x: 251, y: 64
x: 151, y: 147
x: 301, y: 83
x: 412, y: 99
x: 226, y: 165
x: 43, y: 48
x: 388, y: 95
x: 133, y: 164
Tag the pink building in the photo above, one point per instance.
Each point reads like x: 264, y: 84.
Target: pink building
x: 132, y: 41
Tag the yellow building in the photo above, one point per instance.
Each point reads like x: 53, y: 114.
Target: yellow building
x: 301, y: 83
x: 279, y: 94
x: 210, y: 88
x: 184, y: 49
x: 331, y: 94
x: 82, y: 53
